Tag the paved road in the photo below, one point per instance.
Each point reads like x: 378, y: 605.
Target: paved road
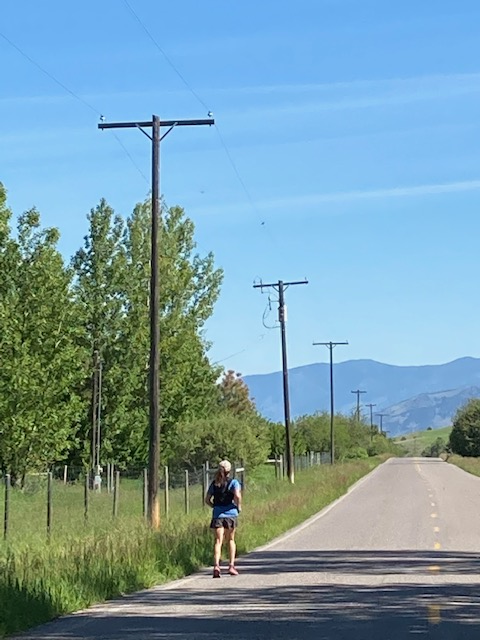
x: 398, y: 556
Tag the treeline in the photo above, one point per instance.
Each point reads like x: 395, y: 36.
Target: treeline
x: 353, y: 438
x: 55, y: 317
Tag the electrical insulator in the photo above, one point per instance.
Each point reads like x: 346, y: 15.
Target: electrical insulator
x: 282, y: 313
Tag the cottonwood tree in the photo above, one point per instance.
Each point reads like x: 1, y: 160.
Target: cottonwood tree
x: 113, y: 291
x: 189, y: 288
x: 99, y: 268
x: 39, y: 351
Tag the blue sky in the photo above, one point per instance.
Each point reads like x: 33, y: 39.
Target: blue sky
x: 354, y: 126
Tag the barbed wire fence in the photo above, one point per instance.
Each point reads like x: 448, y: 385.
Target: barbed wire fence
x: 65, y: 498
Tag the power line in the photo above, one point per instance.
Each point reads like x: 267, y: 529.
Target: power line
x: 239, y: 177
x: 71, y: 93
x: 237, y: 353
x: 49, y: 75
x: 164, y: 54
x: 132, y: 160
x: 202, y: 102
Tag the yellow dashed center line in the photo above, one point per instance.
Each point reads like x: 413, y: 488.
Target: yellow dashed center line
x: 434, y: 515
x: 434, y: 613
x: 437, y: 546
x: 436, y: 529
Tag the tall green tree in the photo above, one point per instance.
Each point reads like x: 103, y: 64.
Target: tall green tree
x: 238, y: 438
x: 465, y: 434
x: 39, y: 352
x: 113, y: 294
x: 189, y: 288
x: 99, y: 268
x: 234, y: 395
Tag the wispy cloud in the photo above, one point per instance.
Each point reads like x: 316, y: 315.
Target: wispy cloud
x: 372, y: 194
x: 450, y: 81
x: 347, y: 94
x: 317, y: 199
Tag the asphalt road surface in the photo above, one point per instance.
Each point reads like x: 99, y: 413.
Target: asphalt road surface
x: 398, y: 556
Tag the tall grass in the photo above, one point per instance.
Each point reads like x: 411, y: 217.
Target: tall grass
x: 472, y: 465
x: 40, y: 581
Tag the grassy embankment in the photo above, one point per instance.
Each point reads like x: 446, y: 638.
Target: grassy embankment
x: 472, y: 465
x: 416, y: 442
x: 87, y: 564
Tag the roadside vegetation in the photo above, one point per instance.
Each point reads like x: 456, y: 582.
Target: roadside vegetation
x: 74, y: 348
x: 464, y: 442
x: 428, y: 443
x: 39, y: 582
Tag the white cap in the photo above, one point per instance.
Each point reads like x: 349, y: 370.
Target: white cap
x: 225, y: 464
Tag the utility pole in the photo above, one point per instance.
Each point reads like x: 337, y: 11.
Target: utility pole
x: 280, y: 287
x: 94, y: 411
x: 331, y: 346
x: 371, y: 405
x: 358, y: 392
x: 99, y: 411
x: 154, y: 364
x: 381, y: 416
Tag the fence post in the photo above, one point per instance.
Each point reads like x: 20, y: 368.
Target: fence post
x: 6, y: 516
x: 145, y: 493
x: 167, y: 501
x: 86, y: 487
x: 187, y: 496
x: 49, y: 505
x: 116, y: 493
x: 281, y: 467
x: 108, y: 478
x: 65, y: 474
x: 112, y: 471
x: 204, y: 482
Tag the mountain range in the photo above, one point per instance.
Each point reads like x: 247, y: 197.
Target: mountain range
x: 413, y: 397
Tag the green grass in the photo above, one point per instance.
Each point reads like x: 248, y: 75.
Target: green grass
x: 28, y: 509
x: 472, y: 465
x: 416, y: 442
x: 83, y: 565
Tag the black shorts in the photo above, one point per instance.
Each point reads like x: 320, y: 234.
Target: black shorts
x: 225, y: 523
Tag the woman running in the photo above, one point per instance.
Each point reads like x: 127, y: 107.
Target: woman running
x: 225, y: 498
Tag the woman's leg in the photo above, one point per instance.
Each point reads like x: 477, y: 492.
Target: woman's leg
x: 232, y: 547
x: 217, y: 549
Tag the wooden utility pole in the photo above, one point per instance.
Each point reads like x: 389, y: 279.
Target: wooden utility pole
x: 280, y: 287
x: 331, y: 346
x: 358, y: 392
x: 154, y: 363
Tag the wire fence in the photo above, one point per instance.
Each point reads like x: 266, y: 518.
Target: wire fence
x: 67, y: 499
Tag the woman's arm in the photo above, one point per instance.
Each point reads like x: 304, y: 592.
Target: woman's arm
x: 237, y: 498
x: 208, y: 499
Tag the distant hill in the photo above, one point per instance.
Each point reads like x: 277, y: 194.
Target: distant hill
x: 413, y: 396
x: 414, y: 443
x: 427, y: 410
